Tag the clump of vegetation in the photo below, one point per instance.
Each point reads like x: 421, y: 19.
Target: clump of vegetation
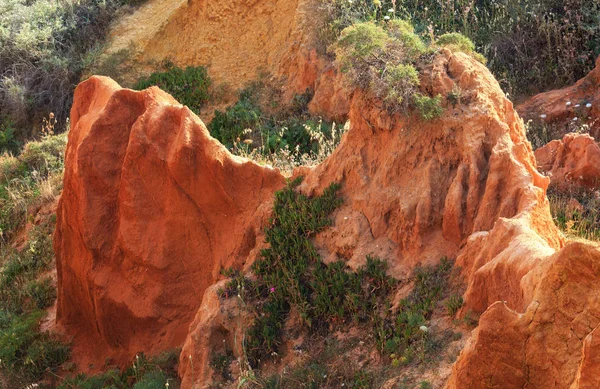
x: 428, y: 107
x: 458, y: 42
x: 576, y: 211
x: 144, y: 373
x: 290, y: 277
x: 453, y: 304
x: 189, y: 86
x: 32, y: 178
x: 26, y: 354
x: 405, y: 334
x: 220, y: 362
x: 530, y: 46
x: 283, y: 135
x: 382, y: 59
x: 44, y: 48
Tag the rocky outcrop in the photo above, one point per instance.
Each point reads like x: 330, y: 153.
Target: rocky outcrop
x: 152, y: 209
x: 463, y: 186
x: 571, y: 162
x: 568, y: 108
x: 424, y: 188
x: 549, y: 344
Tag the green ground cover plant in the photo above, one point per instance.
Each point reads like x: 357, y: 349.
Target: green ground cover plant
x: 247, y: 120
x: 144, y: 373
x: 290, y: 277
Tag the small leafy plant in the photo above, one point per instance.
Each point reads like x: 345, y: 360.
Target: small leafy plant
x: 189, y: 86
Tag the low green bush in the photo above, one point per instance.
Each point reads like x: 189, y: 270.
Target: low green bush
x: 144, y: 373
x: 34, y: 176
x: 382, y: 58
x: 245, y: 125
x: 428, y: 107
x: 458, y: 42
x: 453, y: 304
x: 26, y: 353
x: 189, y: 86
x: 406, y: 332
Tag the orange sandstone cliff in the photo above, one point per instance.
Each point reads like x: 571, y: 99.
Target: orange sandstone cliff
x: 152, y: 209
x: 465, y: 186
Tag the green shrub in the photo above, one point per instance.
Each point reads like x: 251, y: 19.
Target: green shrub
x: 143, y: 373
x: 42, y: 292
x: 8, y: 141
x: 428, y: 107
x: 229, y: 126
x: 23, y: 350
x: 453, y: 304
x: 382, y: 59
x: 110, y: 379
x: 34, y: 176
x: 152, y: 380
x: 401, y: 334
x: 247, y: 129
x: 43, y: 46
x: 530, y: 45
x: 189, y: 86
x: 455, y: 96
x: 458, y: 42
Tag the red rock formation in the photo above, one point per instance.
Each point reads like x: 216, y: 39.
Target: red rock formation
x: 572, y: 161
x: 152, y: 209
x: 550, y: 345
x: 425, y: 187
x: 464, y: 185
x: 560, y: 107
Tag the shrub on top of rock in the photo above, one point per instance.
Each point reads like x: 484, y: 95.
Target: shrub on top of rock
x: 382, y: 59
x: 189, y: 86
x: 458, y: 42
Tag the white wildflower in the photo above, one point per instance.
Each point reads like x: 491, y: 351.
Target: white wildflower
x: 588, y: 105
x: 386, y: 17
x: 424, y: 328
x: 568, y: 103
x: 391, y: 10
x: 543, y: 116
x: 575, y: 119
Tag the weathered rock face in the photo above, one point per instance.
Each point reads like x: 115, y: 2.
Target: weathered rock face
x: 551, y: 344
x: 560, y: 107
x: 573, y: 161
x: 152, y: 209
x: 423, y: 188
x: 463, y: 186
x: 236, y: 39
